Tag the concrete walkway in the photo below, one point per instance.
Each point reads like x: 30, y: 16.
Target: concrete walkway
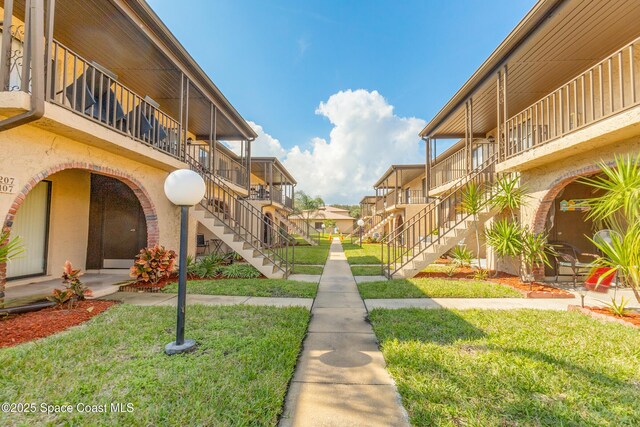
x: 340, y: 379
x: 145, y: 298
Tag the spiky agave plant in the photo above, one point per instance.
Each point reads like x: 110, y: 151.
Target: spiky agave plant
x: 505, y: 237
x: 508, y: 195
x: 535, y: 251
x: 10, y: 248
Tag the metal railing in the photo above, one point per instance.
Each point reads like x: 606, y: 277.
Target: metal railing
x: 265, y: 192
x: 427, y: 227
x: 245, y: 220
x: 301, y: 228
x: 603, y: 90
x: 83, y: 87
x: 449, y: 169
x: 411, y: 197
x: 230, y: 169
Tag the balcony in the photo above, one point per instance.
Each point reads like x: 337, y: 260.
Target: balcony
x: 271, y: 182
x: 132, y: 79
x: 271, y: 194
x: 601, y: 92
x: 450, y: 169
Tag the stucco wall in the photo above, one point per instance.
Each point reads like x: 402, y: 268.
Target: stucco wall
x: 32, y: 154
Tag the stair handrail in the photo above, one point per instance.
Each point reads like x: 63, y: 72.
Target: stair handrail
x: 217, y: 191
x: 435, y: 213
x: 297, y: 228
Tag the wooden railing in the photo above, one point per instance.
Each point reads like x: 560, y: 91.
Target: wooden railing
x: 605, y: 89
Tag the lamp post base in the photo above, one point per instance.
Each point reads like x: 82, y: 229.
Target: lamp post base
x: 173, y: 348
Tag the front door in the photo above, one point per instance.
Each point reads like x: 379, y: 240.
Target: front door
x: 117, y: 226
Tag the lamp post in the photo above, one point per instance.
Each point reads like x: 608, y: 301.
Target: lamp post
x: 360, y: 224
x: 183, y: 188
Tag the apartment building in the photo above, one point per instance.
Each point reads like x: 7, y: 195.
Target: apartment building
x: 99, y: 103
x: 557, y: 96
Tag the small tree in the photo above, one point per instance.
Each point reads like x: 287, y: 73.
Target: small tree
x: 305, y: 205
x: 471, y: 204
x: 505, y: 237
x: 535, y: 252
x: 508, y: 195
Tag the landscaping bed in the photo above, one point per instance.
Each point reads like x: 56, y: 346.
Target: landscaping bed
x: 631, y: 318
x: 249, y: 287
x: 538, y: 290
x: 20, y: 328
x: 237, y: 375
x: 435, y: 288
x: 511, y: 367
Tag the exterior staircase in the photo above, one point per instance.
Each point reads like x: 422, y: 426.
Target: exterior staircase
x: 242, y: 227
x: 437, y: 228
x: 294, y: 228
x: 375, y: 227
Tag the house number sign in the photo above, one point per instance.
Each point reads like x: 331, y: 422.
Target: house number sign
x: 7, y: 184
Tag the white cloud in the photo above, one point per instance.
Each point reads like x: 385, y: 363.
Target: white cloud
x: 366, y: 138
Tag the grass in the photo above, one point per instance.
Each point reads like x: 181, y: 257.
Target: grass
x: 308, y: 269
x: 369, y: 253
x: 238, y: 375
x: 366, y: 270
x: 511, y: 368
x: 249, y: 287
x: 314, y: 255
x: 435, y: 288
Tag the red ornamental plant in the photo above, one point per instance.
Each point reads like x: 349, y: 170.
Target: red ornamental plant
x: 153, y: 264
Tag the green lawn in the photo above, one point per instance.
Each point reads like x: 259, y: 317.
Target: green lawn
x: 435, y: 288
x: 366, y: 270
x: 315, y: 255
x: 238, y: 375
x: 369, y: 253
x: 249, y: 287
x: 307, y: 269
x: 511, y: 367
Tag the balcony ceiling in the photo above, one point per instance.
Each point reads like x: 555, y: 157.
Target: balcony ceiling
x: 260, y: 168
x: 574, y: 35
x: 403, y: 173
x: 101, y: 31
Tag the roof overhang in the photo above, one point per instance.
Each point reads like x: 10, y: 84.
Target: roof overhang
x: 404, y: 173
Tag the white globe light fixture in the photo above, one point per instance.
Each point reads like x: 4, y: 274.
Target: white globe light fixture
x: 183, y: 188
x: 360, y: 222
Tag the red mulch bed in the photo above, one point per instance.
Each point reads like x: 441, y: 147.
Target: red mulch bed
x: 20, y: 328
x: 538, y: 290
x: 631, y: 317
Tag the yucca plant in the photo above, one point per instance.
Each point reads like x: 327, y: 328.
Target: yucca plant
x: 505, y: 237
x: 9, y: 248
x: 508, y: 195
x: 617, y: 207
x: 535, y: 252
x: 461, y: 256
x: 472, y: 204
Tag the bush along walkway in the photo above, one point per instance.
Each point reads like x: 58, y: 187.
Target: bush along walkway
x: 341, y: 378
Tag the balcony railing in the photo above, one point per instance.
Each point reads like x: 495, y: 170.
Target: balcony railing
x: 262, y: 192
x: 450, y: 169
x: 605, y: 89
x: 411, y: 197
x: 81, y: 86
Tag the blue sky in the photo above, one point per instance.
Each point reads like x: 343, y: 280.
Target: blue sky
x: 277, y: 61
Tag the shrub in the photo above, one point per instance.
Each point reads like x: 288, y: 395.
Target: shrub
x: 71, y: 279
x: 480, y: 274
x: 153, y: 264
x: 240, y: 271
x: 60, y: 296
x: 618, y: 309
x: 461, y: 256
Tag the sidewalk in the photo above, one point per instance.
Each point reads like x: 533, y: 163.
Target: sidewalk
x: 340, y: 379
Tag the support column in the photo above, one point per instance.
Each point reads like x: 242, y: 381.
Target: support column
x: 505, y: 117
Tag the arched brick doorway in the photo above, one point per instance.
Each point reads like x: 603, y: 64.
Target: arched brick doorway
x: 147, y: 206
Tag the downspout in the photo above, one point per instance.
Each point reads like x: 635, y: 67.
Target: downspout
x: 35, y: 60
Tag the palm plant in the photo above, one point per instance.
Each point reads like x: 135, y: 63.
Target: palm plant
x: 461, y: 256
x: 508, y: 194
x: 618, y: 207
x: 535, y: 251
x: 472, y: 204
x: 9, y: 248
x: 305, y: 204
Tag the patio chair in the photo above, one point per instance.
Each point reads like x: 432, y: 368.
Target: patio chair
x: 201, y: 243
x: 567, y: 255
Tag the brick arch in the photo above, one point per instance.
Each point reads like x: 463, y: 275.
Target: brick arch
x: 150, y: 214
x: 540, y: 217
